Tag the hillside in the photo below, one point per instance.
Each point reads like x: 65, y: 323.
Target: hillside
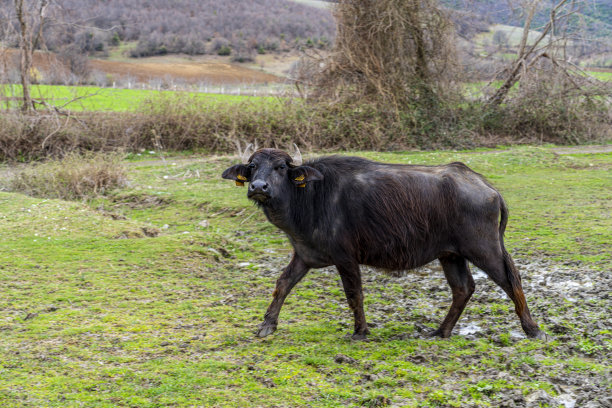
x: 157, y: 27
x: 153, y: 42
x: 592, y: 17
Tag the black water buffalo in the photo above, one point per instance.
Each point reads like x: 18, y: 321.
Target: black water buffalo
x: 347, y: 211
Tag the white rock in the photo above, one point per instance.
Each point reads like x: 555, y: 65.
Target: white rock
x: 567, y: 400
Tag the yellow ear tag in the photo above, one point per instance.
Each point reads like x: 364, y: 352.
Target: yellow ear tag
x: 300, y: 178
x: 241, y: 177
x: 239, y: 184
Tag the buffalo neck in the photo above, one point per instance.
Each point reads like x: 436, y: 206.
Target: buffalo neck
x: 300, y: 212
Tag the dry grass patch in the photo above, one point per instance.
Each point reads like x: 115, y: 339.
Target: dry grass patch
x: 72, y: 177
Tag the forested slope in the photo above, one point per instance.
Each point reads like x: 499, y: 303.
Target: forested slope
x: 180, y: 26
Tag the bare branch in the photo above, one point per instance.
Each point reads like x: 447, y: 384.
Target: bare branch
x: 520, y: 65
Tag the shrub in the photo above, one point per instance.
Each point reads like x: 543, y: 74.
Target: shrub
x: 224, y: 50
x: 72, y: 177
x: 243, y: 57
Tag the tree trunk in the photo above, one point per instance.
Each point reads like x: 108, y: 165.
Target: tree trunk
x: 25, y: 62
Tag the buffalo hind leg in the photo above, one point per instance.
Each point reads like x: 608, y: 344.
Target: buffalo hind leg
x: 501, y: 269
x: 351, y: 280
x: 291, y: 275
x: 462, y: 285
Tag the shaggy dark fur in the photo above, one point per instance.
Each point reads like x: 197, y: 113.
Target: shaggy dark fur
x: 347, y: 211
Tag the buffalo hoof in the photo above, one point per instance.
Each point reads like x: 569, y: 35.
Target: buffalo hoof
x: 265, y: 329
x: 539, y: 335
x: 359, y: 336
x: 438, y: 333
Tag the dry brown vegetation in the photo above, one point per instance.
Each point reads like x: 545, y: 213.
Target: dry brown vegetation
x: 552, y: 99
x: 183, y: 123
x: 72, y: 177
x: 372, y: 93
x: 397, y: 59
x: 393, y: 52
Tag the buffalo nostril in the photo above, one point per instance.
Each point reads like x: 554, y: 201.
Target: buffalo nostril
x: 264, y: 187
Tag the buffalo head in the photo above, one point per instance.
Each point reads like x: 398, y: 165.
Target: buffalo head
x: 272, y: 174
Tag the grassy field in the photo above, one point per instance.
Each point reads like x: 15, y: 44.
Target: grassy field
x: 603, y: 76
x: 150, y: 297
x: 513, y: 35
x: 88, y: 98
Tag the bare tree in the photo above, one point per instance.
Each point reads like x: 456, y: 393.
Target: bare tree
x: 527, y: 55
x: 31, y: 18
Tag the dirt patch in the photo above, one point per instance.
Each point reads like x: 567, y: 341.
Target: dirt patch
x: 211, y: 70
x: 150, y: 232
x: 42, y: 61
x: 143, y: 200
x: 276, y: 64
x: 192, y: 72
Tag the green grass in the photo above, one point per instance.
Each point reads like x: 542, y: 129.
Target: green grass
x: 513, y: 35
x: 96, y: 314
x: 121, y: 51
x: 89, y: 98
x: 603, y: 76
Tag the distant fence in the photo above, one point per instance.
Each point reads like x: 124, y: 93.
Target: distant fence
x: 272, y: 89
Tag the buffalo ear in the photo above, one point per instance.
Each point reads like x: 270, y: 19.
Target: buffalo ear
x: 304, y: 174
x: 239, y: 173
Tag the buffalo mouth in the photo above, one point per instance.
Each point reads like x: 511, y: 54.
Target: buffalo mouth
x: 259, y: 196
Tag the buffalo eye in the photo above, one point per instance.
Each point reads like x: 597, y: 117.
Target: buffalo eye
x: 281, y: 167
x: 251, y: 166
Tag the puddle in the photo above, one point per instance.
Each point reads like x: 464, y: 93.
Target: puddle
x: 517, y: 335
x: 567, y: 400
x: 570, y: 285
x: 478, y: 274
x: 468, y: 329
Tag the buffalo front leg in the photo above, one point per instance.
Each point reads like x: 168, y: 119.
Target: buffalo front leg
x: 351, y: 280
x: 291, y: 275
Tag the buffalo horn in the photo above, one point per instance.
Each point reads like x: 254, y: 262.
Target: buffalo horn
x: 248, y: 151
x: 296, y: 156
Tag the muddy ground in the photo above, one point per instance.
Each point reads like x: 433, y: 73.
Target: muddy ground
x: 571, y: 302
